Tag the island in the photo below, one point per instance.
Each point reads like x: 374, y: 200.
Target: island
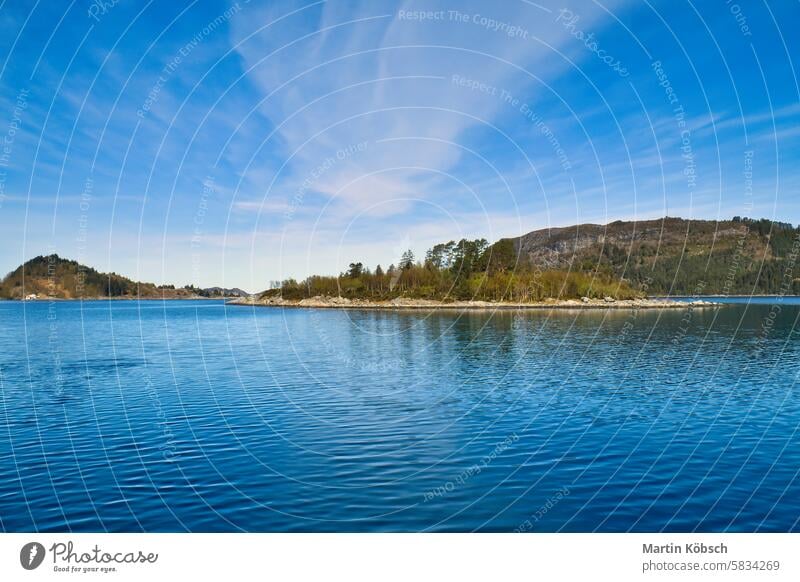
x: 622, y: 264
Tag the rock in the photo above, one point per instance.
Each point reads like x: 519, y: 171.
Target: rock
x: 274, y: 301
x: 609, y: 299
x: 585, y: 299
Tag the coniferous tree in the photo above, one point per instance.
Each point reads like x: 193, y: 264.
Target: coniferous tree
x: 407, y: 260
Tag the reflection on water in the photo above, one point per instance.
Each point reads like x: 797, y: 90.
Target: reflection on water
x: 195, y: 416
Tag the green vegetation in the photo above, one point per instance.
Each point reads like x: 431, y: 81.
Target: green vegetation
x: 463, y: 270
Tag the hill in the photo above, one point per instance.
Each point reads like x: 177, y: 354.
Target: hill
x: 55, y: 277
x: 674, y: 255
x: 224, y: 292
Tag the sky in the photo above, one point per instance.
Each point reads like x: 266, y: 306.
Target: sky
x: 239, y: 143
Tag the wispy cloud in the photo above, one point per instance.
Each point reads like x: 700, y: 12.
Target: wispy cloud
x: 336, y: 78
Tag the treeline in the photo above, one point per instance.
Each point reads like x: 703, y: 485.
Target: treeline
x: 728, y: 274
x: 463, y: 270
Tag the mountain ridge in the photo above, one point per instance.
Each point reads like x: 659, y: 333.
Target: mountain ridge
x: 674, y: 255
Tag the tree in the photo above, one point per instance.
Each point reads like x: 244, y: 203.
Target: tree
x: 407, y: 260
x: 501, y: 256
x: 465, y: 255
x: 355, y: 270
x: 437, y: 257
x: 378, y: 271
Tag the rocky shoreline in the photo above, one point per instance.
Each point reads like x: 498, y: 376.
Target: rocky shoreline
x: 320, y: 302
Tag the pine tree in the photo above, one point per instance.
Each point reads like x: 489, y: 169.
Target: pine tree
x: 407, y: 261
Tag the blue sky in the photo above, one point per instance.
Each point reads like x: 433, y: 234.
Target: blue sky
x: 238, y: 143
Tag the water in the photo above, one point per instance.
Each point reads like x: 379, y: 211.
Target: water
x: 173, y: 416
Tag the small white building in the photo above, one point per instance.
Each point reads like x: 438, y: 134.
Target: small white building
x: 31, y: 297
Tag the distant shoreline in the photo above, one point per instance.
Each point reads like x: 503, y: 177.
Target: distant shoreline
x: 47, y: 299
x: 405, y: 303
x: 650, y: 302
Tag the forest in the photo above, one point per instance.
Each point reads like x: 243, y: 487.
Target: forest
x: 457, y: 271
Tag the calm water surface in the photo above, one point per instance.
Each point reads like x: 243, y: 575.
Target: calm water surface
x: 173, y: 416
